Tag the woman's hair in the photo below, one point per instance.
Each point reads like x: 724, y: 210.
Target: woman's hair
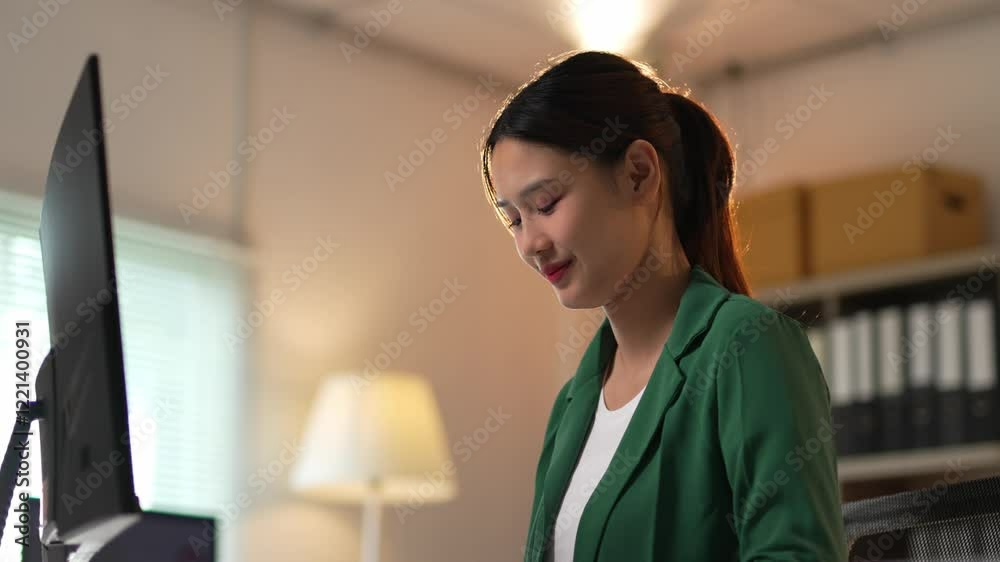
x: 595, y: 104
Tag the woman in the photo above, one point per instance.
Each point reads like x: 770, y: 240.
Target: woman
x: 697, y: 426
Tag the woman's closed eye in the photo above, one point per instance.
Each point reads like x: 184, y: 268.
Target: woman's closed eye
x: 546, y: 210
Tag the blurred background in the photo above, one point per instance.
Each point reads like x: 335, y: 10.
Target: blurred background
x: 296, y: 194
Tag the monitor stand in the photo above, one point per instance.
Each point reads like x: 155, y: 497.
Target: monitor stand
x: 8, y: 482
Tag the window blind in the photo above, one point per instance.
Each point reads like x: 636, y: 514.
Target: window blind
x: 179, y: 296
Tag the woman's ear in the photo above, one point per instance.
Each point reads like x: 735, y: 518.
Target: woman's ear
x: 641, y: 174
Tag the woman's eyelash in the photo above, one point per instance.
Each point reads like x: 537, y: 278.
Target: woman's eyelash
x: 544, y: 210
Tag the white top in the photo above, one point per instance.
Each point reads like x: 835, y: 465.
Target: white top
x: 605, y: 435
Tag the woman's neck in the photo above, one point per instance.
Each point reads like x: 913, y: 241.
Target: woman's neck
x: 643, y: 312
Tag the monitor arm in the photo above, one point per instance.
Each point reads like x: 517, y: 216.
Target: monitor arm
x: 9, y: 470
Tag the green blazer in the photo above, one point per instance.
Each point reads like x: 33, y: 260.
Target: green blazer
x: 729, y: 455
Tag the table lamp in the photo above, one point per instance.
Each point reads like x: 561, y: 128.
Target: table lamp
x: 375, y: 440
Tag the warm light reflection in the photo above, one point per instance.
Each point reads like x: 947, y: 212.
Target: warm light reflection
x: 615, y: 25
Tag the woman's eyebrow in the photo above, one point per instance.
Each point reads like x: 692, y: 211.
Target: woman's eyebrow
x: 533, y: 186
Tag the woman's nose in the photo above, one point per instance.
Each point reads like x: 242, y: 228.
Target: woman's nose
x: 535, y: 241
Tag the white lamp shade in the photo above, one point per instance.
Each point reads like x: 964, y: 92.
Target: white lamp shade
x: 384, y: 429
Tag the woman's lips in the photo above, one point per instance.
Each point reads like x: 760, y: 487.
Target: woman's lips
x: 557, y: 275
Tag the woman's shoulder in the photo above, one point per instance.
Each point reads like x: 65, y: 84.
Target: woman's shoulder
x: 742, y: 317
x: 753, y: 341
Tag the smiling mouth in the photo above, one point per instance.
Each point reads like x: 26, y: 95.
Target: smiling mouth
x: 557, y: 274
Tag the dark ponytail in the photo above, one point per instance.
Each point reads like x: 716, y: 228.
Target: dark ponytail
x: 708, y: 230
x: 569, y: 105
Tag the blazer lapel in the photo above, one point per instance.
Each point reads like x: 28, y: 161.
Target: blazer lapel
x: 661, y: 392
x: 698, y: 304
x: 571, y: 435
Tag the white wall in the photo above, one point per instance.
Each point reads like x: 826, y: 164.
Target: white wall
x: 162, y: 144
x: 492, y: 348
x: 887, y: 105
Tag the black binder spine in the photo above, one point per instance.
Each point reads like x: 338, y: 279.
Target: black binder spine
x: 982, y: 419
x: 949, y: 373
x: 840, y: 372
x: 865, y: 411
x: 921, y: 394
x: 891, y: 378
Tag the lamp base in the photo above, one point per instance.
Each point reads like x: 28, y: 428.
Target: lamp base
x: 371, y: 526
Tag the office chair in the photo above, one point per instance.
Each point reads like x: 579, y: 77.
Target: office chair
x: 953, y: 522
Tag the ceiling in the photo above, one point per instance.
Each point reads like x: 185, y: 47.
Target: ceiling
x: 511, y: 38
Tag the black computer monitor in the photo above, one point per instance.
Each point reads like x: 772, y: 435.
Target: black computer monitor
x: 88, y: 494
x: 160, y: 537
x: 164, y: 537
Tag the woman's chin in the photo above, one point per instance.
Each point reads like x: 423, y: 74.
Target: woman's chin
x: 566, y: 296
x: 572, y: 299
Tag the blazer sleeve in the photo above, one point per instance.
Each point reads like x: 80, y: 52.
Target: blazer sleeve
x: 776, y: 438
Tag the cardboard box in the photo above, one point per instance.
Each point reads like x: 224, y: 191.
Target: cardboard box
x: 773, y: 234
x: 893, y: 215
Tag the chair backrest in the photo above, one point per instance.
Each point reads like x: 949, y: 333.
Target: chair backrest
x: 947, y: 521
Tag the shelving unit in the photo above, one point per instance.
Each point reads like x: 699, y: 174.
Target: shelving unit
x: 973, y: 460
x: 863, y: 473
x: 830, y: 287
